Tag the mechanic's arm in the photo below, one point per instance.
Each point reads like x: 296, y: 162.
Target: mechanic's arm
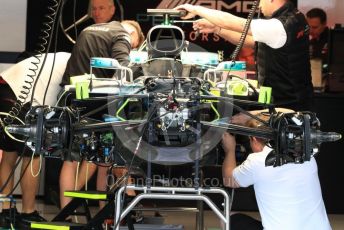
x: 229, y: 163
x: 204, y: 26
x: 234, y: 37
x: 222, y: 19
x: 120, y: 50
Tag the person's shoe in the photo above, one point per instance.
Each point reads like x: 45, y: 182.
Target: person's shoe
x: 8, y: 217
x: 26, y: 219
x: 138, y: 215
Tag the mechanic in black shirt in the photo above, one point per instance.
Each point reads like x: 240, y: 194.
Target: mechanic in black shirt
x: 319, y: 32
x: 112, y: 40
x: 282, y: 37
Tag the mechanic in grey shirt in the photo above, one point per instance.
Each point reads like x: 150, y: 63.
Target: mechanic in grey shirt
x: 111, y: 40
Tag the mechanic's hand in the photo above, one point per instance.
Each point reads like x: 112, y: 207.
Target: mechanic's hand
x: 204, y: 26
x: 228, y: 143
x: 190, y: 10
x: 240, y: 119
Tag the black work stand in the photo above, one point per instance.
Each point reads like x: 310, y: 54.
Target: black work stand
x: 196, y: 193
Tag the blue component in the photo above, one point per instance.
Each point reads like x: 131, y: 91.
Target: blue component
x: 82, y: 146
x: 229, y: 65
x: 106, y: 152
x: 199, y: 58
x: 138, y: 57
x: 108, y: 118
x: 99, y: 62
